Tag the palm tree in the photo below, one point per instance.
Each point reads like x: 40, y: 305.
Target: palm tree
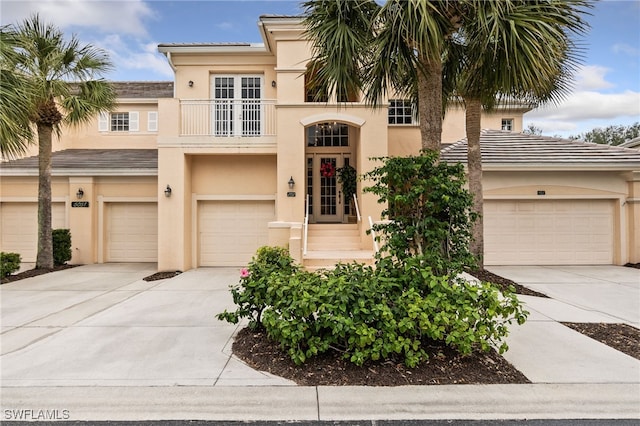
x: 56, y: 84
x: 361, y: 46
x: 513, y: 51
x: 15, y: 130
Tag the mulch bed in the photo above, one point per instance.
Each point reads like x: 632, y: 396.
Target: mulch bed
x: 34, y: 273
x: 162, y: 275
x: 633, y: 265
x: 504, y: 283
x: 444, y: 366
x: 621, y: 337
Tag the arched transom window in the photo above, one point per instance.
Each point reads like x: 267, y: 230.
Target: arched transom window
x: 328, y: 135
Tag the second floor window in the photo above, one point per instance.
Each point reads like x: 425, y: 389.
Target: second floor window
x: 312, y: 93
x: 401, y: 111
x: 119, y: 122
x: 507, y: 124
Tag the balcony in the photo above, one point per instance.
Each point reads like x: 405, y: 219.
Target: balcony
x: 247, y: 118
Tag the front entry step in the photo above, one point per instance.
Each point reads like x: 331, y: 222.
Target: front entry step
x: 329, y: 244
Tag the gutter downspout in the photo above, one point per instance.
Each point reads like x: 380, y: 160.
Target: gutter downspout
x: 173, y: 67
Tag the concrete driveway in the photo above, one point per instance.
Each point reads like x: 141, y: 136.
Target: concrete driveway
x: 99, y: 325
x: 600, y: 293
x: 547, y: 351
x: 102, y: 344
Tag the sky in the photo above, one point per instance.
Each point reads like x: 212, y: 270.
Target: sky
x: 606, y: 87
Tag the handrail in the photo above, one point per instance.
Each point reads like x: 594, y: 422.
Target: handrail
x: 242, y: 118
x: 355, y: 202
x: 305, y: 229
x: 373, y: 235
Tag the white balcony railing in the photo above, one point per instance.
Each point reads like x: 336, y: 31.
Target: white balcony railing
x: 228, y: 118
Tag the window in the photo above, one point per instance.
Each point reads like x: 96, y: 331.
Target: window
x: 401, y: 111
x: 118, y: 122
x: 238, y: 108
x: 311, y: 93
x: 328, y: 135
x: 507, y: 124
x: 321, y: 94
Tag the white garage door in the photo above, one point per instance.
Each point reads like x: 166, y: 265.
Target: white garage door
x: 132, y: 232
x: 19, y: 227
x: 230, y: 232
x: 548, y: 232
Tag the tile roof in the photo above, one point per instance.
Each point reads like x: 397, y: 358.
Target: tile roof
x: 89, y: 162
x: 507, y: 150
x: 143, y: 89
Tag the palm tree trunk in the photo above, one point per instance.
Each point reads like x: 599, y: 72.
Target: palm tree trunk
x: 45, y: 239
x: 430, y: 113
x: 474, y: 165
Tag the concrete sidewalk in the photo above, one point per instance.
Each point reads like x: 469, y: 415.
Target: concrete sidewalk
x: 103, y: 344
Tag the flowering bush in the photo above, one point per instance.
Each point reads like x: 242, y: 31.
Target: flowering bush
x: 251, y: 294
x: 393, y: 310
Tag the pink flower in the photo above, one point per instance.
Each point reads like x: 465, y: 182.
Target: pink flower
x: 244, y: 273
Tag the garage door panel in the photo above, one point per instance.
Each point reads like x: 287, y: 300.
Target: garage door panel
x: 19, y: 227
x: 548, y: 232
x: 132, y: 232
x: 231, y: 231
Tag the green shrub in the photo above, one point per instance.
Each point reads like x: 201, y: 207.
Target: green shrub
x: 393, y: 310
x: 61, y: 246
x: 430, y: 211
x: 251, y: 295
x: 9, y: 263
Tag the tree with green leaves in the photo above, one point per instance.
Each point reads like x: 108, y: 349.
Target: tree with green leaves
x: 51, y: 83
x: 361, y: 46
x: 532, y: 129
x: 509, y: 51
x: 480, y: 52
x: 610, y: 135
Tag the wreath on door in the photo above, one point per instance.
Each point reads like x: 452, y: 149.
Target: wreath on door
x: 327, y: 170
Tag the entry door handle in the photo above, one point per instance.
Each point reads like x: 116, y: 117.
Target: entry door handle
x: 339, y: 197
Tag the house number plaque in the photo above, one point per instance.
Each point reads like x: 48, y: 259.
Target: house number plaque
x: 79, y: 204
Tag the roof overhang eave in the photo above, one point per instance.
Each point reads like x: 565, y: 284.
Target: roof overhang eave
x: 569, y: 167
x: 252, y: 48
x: 81, y: 172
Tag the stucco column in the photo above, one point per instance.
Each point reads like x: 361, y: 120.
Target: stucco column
x: 82, y: 220
x: 373, y: 143
x: 633, y: 216
x: 174, y: 220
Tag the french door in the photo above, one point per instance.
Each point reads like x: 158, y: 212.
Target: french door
x: 326, y: 201
x: 237, y: 108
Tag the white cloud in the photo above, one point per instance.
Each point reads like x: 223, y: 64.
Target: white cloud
x: 135, y: 55
x: 585, y: 110
x: 225, y: 26
x: 124, y: 17
x: 592, y: 77
x: 589, y: 105
x: 626, y: 49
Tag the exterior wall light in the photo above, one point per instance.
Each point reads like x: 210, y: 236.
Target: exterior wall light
x: 167, y: 191
x: 79, y: 194
x: 273, y: 83
x: 190, y: 83
x: 291, y: 183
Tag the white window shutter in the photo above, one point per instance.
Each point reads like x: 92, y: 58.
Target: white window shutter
x: 152, y: 121
x: 103, y: 122
x: 134, y: 121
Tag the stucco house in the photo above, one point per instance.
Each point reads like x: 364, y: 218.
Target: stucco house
x: 235, y: 154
